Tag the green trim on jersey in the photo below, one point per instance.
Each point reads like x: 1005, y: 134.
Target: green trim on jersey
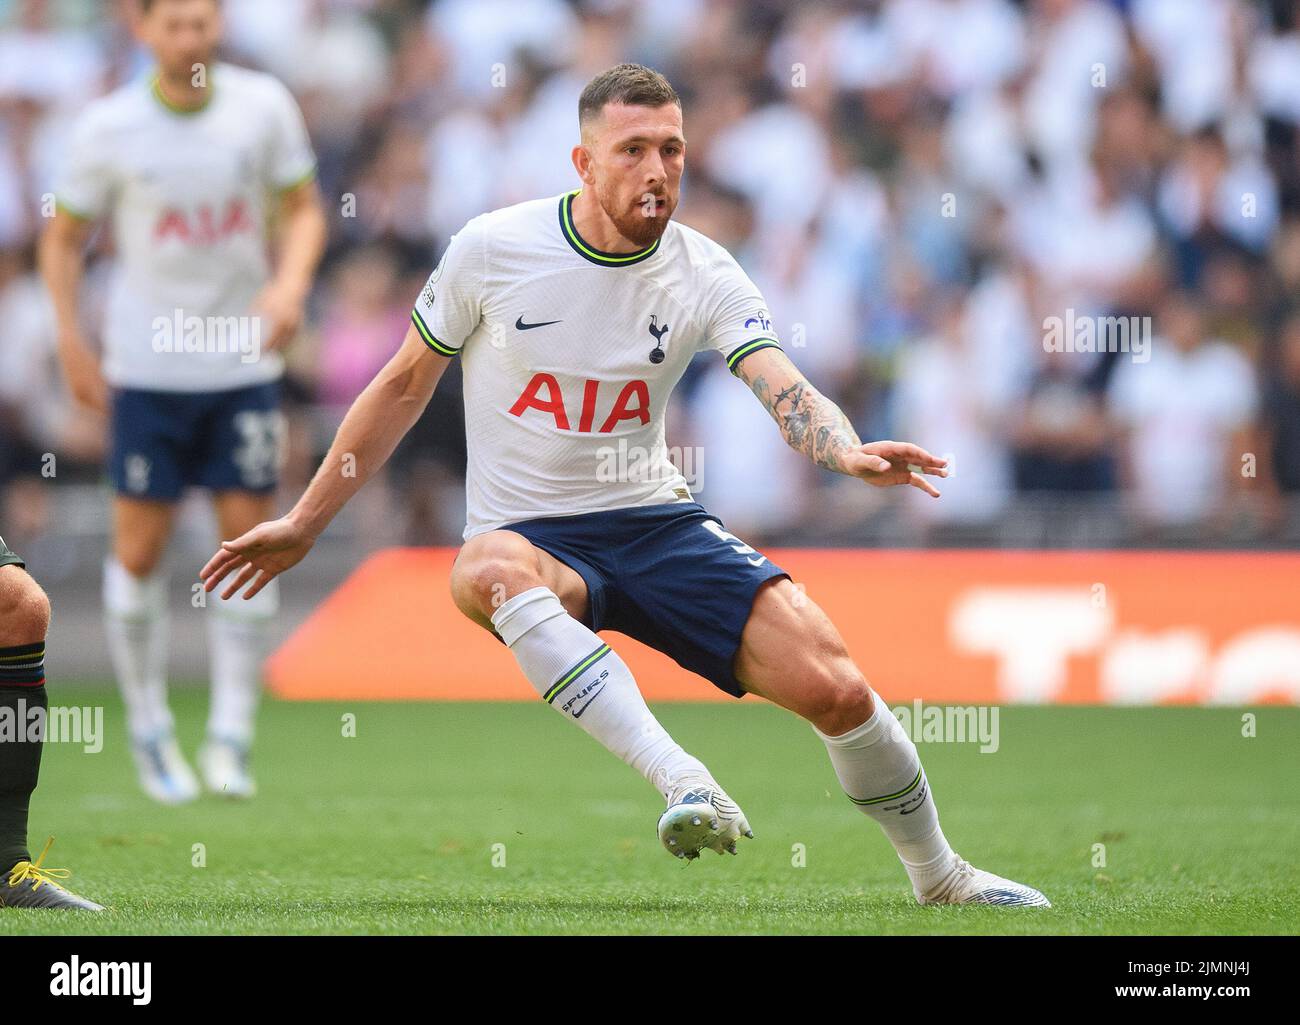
x: 587, y: 252
x: 155, y: 90
x: 72, y: 212
x: 298, y: 182
x: 428, y: 336
x: 748, y: 349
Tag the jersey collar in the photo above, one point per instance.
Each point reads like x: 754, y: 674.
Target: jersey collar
x: 156, y: 91
x: 570, y: 232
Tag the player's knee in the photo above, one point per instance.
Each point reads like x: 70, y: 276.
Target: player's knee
x: 139, y: 562
x: 490, y: 569
x: 839, y: 698
x: 24, y: 609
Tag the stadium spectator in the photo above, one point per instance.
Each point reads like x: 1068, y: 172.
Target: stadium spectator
x: 1281, y: 411
x: 953, y: 389
x: 1185, y: 418
x: 363, y: 315
x: 862, y: 157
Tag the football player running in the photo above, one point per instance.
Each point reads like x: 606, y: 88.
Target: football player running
x: 575, y: 316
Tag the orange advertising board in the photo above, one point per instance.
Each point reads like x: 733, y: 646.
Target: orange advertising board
x: 943, y: 626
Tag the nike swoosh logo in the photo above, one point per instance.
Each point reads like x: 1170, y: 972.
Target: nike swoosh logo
x: 590, y: 699
x: 520, y: 325
x: 917, y: 805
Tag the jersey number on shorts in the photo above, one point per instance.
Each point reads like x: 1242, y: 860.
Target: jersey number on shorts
x: 738, y: 546
x: 258, y: 456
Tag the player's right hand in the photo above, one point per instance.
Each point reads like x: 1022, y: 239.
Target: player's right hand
x: 888, y: 463
x: 264, y: 552
x: 81, y: 367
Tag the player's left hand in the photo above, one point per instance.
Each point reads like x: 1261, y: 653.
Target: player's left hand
x: 264, y: 552
x: 281, y: 310
x: 887, y: 463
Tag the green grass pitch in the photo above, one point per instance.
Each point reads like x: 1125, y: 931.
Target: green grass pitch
x: 394, y: 830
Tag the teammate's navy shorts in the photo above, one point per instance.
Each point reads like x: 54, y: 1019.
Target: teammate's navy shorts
x: 226, y: 440
x: 669, y: 575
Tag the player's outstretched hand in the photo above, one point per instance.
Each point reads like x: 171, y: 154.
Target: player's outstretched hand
x: 264, y: 552
x: 887, y: 463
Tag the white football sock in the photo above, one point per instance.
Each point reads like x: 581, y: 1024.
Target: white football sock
x: 576, y: 672
x: 239, y: 634
x: 135, y: 618
x: 880, y: 771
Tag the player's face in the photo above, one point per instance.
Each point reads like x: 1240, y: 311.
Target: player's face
x: 637, y: 156
x: 182, y: 33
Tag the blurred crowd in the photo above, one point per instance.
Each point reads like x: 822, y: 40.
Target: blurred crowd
x: 918, y: 187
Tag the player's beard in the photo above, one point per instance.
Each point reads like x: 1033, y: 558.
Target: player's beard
x: 632, y: 222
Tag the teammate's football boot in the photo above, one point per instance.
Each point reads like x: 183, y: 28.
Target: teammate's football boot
x: 224, y: 764
x: 164, y: 774
x: 700, y: 815
x: 31, y: 885
x: 969, y: 885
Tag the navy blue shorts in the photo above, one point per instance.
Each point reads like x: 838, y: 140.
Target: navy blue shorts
x: 669, y: 575
x: 225, y: 440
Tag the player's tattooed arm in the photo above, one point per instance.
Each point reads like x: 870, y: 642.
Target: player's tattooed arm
x: 809, y: 421
x: 814, y: 425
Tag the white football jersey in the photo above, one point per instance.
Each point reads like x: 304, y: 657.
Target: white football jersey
x: 570, y: 355
x: 187, y: 196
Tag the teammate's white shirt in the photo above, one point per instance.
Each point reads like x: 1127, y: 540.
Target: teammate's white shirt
x: 564, y: 407
x: 187, y: 195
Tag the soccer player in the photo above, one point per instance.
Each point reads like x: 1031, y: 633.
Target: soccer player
x: 189, y: 167
x: 24, y: 618
x: 575, y: 316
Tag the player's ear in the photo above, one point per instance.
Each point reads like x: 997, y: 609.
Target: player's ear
x: 582, y: 162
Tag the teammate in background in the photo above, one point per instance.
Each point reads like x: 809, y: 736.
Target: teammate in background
x: 188, y: 167
x: 575, y: 317
x: 24, y: 619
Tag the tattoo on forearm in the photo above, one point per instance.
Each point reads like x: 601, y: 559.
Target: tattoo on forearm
x: 809, y: 421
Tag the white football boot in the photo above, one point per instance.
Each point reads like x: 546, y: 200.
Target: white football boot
x: 700, y: 815
x: 224, y: 764
x: 966, y: 884
x: 164, y: 774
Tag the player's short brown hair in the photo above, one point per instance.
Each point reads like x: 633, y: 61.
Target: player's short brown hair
x: 632, y: 84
